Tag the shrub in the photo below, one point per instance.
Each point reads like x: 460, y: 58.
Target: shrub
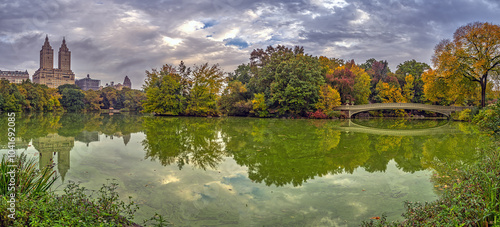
x: 465, y: 115
x: 260, y: 107
x: 317, y: 115
x: 489, y: 118
x: 73, y: 208
x: 334, y: 114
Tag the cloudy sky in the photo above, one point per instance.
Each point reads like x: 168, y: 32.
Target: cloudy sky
x: 110, y: 39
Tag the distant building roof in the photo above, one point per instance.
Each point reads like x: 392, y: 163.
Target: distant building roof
x: 14, y: 73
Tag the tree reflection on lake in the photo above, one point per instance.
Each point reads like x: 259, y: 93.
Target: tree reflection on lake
x: 279, y: 152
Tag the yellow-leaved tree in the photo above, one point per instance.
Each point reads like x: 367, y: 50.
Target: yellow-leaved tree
x: 329, y: 98
x: 471, y: 59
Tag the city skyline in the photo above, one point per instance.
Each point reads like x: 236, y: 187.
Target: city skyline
x: 109, y: 40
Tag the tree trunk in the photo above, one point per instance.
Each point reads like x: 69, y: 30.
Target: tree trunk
x: 484, y: 82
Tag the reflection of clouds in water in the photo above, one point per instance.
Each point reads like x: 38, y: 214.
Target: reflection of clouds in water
x: 169, y: 179
x: 327, y: 221
x: 188, y: 195
x: 344, y: 182
x: 229, y: 168
x: 358, y: 208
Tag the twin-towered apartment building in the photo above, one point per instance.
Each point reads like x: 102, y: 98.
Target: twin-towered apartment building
x: 55, y: 77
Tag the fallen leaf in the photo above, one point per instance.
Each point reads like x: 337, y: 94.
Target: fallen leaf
x: 376, y: 218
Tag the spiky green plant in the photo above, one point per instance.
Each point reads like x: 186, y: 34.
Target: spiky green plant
x: 28, y: 178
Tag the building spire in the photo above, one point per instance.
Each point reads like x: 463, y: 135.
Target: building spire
x: 46, y: 41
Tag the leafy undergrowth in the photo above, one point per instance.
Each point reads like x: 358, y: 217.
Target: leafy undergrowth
x: 73, y: 208
x: 470, y: 196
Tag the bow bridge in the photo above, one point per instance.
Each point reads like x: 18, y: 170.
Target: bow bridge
x: 445, y: 110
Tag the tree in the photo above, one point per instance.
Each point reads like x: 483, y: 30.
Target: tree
x: 408, y: 89
x: 242, y: 73
x: 295, y: 85
x: 133, y: 99
x: 259, y: 105
x: 330, y: 64
x: 164, y: 91
x: 362, y: 81
x: 72, y: 99
x: 264, y: 63
x: 329, y: 98
x: 449, y: 90
x: 65, y: 86
x: 389, y: 93
x: 416, y: 69
x: 109, y: 97
x: 411, y: 67
x: 207, y: 82
x: 473, y: 54
x: 343, y: 81
x: 92, y: 100
x: 232, y: 102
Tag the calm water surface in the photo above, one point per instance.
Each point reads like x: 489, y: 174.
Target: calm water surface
x: 250, y: 172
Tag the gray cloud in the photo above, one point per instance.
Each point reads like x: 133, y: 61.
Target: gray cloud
x: 110, y: 39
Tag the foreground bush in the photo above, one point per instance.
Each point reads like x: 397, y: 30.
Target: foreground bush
x: 489, y: 118
x: 73, y: 208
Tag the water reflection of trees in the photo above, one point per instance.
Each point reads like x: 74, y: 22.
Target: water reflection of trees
x: 279, y: 152
x: 54, y: 134
x: 40, y: 125
x: 183, y: 141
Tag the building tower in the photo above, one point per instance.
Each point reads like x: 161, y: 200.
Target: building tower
x: 127, y: 83
x: 47, y: 74
x: 64, y: 56
x: 46, y: 55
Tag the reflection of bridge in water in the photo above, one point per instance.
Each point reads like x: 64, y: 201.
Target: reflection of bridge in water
x: 443, y: 129
x: 445, y: 110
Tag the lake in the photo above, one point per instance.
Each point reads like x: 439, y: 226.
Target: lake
x: 250, y: 171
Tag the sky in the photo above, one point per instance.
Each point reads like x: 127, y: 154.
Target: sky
x: 111, y: 39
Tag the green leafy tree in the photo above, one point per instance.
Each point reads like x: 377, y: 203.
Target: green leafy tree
x: 13, y: 100
x: 92, y: 100
x: 233, y: 100
x: 295, y: 85
x: 72, y: 99
x: 164, y: 92
x: 66, y: 86
x: 207, y: 82
x: 242, y: 73
x: 133, y: 99
x: 110, y: 98
x: 416, y: 69
x: 264, y: 63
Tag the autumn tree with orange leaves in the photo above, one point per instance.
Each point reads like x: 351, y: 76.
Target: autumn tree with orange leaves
x: 473, y: 55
